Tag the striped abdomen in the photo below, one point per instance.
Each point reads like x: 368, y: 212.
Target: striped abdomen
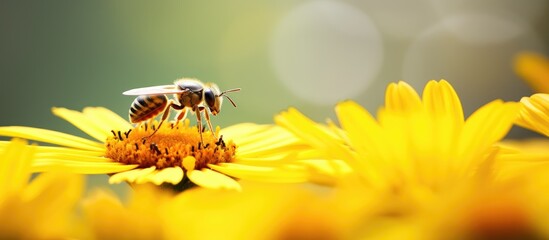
x: 146, y: 107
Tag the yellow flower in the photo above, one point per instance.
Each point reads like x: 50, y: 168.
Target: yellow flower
x: 514, y: 208
x: 534, y: 68
x: 415, y: 141
x: 34, y: 209
x: 263, y: 211
x: 106, y: 217
x: 174, y: 156
x: 509, y: 210
x: 520, y: 156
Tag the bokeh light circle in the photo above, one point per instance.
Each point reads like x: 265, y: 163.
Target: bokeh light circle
x: 326, y: 51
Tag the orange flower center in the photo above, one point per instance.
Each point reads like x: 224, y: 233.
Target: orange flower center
x: 168, y: 146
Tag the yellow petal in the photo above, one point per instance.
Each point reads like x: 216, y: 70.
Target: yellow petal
x: 289, y: 155
x: 310, y: 132
x: 333, y: 167
x: 172, y: 175
x: 83, y: 122
x: 270, y: 138
x: 365, y: 134
x: 68, y: 151
x: 438, y: 127
x: 45, y: 156
x: 211, y: 179
x: 492, y: 122
x: 241, y: 132
x: 136, y: 219
x: 259, y: 132
x: 53, y: 137
x: 534, y: 113
x: 521, y: 164
x: 45, y: 151
x: 131, y: 175
x: 532, y: 145
x: 263, y: 174
x: 401, y: 97
x: 54, y: 185
x: 50, y: 199
x: 15, y: 164
x: 107, y: 117
x: 75, y: 166
x: 440, y: 98
x: 189, y: 163
x: 275, y: 151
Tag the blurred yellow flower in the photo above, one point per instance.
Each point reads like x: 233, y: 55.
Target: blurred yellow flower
x: 106, y: 217
x: 534, y: 68
x: 418, y: 142
x: 514, y: 208
x: 174, y: 156
x: 494, y: 210
x: 520, y: 156
x: 263, y: 211
x: 40, y: 208
x: 441, y: 176
x: 498, y: 210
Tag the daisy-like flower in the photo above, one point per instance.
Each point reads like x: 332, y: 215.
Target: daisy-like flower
x: 34, y: 209
x: 106, y: 217
x: 521, y: 155
x: 513, y: 209
x: 415, y: 141
x: 174, y: 155
x: 534, y: 68
x: 263, y: 211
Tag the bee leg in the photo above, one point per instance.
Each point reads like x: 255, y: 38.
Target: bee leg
x: 182, y: 115
x: 199, y: 122
x: 209, y: 122
x: 165, y: 115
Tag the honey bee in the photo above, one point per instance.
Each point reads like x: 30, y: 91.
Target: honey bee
x: 189, y: 94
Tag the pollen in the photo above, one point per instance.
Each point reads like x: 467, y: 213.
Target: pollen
x: 168, y: 146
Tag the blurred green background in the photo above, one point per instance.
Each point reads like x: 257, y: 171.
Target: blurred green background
x: 306, y: 54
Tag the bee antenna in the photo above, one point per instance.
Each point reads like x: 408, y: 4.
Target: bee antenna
x: 230, y: 100
x: 228, y: 91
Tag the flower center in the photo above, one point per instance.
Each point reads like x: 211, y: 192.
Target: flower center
x: 168, y: 146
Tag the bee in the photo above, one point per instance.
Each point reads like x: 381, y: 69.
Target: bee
x: 189, y: 95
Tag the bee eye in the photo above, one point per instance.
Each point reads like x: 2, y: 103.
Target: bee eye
x: 209, y: 97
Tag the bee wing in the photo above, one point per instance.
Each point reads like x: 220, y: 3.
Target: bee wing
x: 155, y: 90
